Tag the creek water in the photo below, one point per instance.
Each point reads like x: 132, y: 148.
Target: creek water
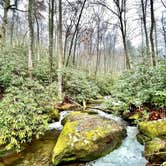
x: 130, y: 153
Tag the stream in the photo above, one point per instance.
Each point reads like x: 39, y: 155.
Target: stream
x: 130, y: 153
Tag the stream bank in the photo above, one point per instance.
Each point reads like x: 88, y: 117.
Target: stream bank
x: 39, y: 151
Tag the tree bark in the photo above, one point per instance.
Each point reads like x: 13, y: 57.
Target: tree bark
x: 60, y: 51
x: 97, y: 49
x: 51, y: 36
x: 144, y: 13
x: 152, y: 33
x: 31, y: 37
x: 164, y: 30
x: 75, y: 48
x: 4, y: 20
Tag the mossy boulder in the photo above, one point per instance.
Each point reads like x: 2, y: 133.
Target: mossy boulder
x: 87, y: 137
x: 153, y: 129
x: 155, y: 150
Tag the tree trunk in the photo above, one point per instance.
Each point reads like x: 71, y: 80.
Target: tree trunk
x: 164, y: 30
x: 4, y: 20
x: 98, y: 36
x: 60, y: 51
x: 37, y: 29
x: 144, y: 6
x: 123, y: 33
x: 156, y: 41
x: 51, y: 36
x: 65, y: 44
x: 12, y: 26
x: 31, y: 37
x: 126, y: 51
x: 75, y: 48
x: 152, y: 33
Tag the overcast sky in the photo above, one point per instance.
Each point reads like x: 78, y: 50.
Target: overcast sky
x: 133, y: 15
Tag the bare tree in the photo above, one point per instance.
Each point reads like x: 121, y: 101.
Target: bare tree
x: 164, y: 3
x: 51, y: 35
x: 144, y: 20
x: 6, y: 7
x: 152, y: 33
x: 75, y: 31
x: 163, y: 22
x: 60, y: 51
x: 120, y: 12
x: 31, y: 36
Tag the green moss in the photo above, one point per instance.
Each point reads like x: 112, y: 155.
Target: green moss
x: 155, y: 149
x: 153, y: 129
x: 91, y: 112
x: 86, y: 137
x: 142, y: 139
x: 55, y: 115
x: 136, y: 116
x: 95, y: 101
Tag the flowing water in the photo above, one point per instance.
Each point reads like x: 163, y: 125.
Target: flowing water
x: 57, y: 125
x: 39, y: 152
x: 128, y: 154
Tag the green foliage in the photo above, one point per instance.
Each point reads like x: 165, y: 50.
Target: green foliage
x: 24, y: 112
x: 13, y: 63
x: 41, y: 71
x: 143, y: 85
x: 105, y: 83
x: 77, y: 85
x: 116, y: 105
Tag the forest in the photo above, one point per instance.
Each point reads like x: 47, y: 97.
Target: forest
x: 83, y: 82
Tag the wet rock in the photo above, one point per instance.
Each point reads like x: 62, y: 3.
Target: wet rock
x: 155, y: 150
x: 153, y: 135
x: 86, y: 137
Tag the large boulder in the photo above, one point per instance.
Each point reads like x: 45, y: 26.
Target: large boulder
x: 87, y: 137
x: 153, y: 129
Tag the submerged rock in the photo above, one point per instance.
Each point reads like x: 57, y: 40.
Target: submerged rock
x: 87, y: 137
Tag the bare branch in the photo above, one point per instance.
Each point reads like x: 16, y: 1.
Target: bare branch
x: 104, y: 5
x: 163, y: 3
